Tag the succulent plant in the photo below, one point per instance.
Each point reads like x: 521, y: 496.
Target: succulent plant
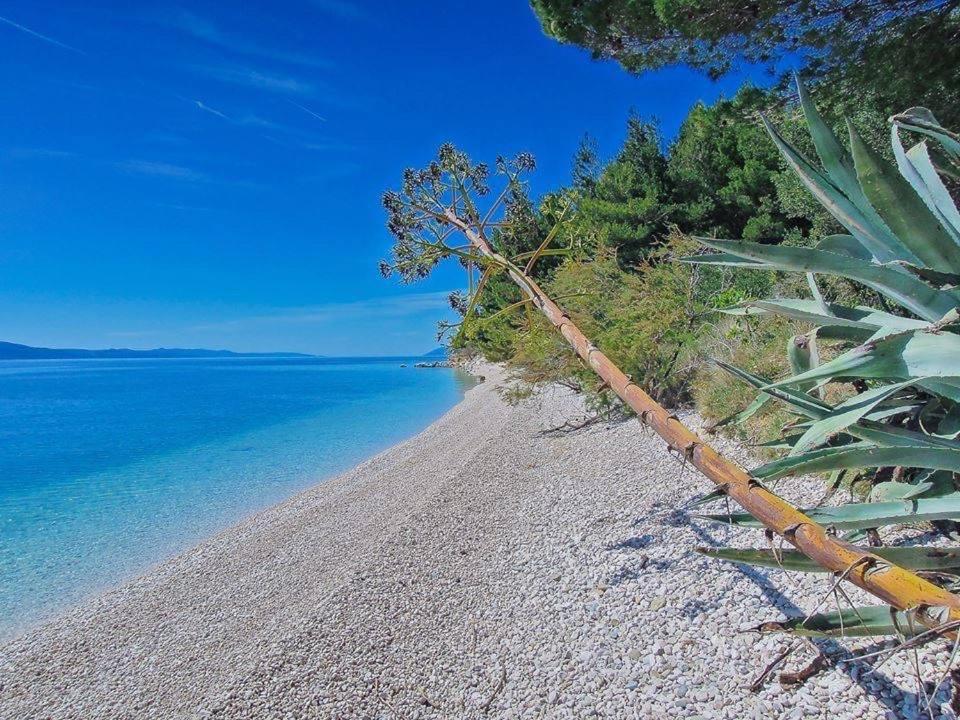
x: 899, y: 429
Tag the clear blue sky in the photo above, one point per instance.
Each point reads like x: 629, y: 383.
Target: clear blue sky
x: 208, y: 174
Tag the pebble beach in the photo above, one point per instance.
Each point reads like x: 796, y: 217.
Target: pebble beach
x: 485, y: 568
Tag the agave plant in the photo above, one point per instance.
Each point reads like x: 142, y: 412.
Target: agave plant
x: 899, y: 429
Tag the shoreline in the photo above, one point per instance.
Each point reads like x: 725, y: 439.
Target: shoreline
x: 481, y: 568
x: 88, y: 526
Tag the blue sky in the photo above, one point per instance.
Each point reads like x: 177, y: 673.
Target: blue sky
x: 199, y: 175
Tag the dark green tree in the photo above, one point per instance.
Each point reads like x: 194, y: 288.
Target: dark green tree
x: 723, y: 169
x: 628, y: 206
x: 909, y: 49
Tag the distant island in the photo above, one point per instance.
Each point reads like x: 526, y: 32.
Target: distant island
x: 15, y: 351
x: 437, y: 352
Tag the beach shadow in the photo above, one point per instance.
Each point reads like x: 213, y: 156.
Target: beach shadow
x: 843, y: 659
x: 634, y: 543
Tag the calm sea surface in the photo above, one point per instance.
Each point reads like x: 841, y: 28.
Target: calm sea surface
x: 107, y: 466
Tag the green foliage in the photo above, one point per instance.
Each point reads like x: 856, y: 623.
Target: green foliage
x: 627, y: 206
x: 723, y: 172
x: 649, y: 320
x: 885, y: 409
x: 756, y: 346
x: 718, y: 177
x: 851, y: 44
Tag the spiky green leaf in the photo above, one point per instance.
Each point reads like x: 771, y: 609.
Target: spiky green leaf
x: 913, y: 558
x: 910, y: 292
x: 866, y: 515
x: 930, y: 358
x: 916, y: 165
x: 859, y: 455
x: 849, y: 622
x: 921, y: 120
x: 902, y: 209
x: 867, y: 319
x: 846, y: 414
x: 869, y: 230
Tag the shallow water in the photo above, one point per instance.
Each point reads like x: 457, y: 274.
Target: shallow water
x: 107, y: 466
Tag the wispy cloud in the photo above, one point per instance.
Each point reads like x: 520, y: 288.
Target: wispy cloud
x: 162, y: 170
x: 204, y: 30
x: 341, y: 8
x: 39, y: 36
x: 295, y: 137
x: 396, y: 306
x: 250, y: 77
x: 40, y: 152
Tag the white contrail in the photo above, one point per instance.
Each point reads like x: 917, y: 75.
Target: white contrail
x: 307, y: 110
x: 50, y: 40
x: 211, y: 110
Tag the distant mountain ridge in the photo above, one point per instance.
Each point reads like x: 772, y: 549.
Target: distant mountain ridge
x: 436, y: 352
x: 15, y: 351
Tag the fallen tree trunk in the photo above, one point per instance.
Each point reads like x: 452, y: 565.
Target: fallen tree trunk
x: 934, y: 606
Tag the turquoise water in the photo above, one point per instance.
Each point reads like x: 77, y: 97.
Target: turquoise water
x: 107, y: 466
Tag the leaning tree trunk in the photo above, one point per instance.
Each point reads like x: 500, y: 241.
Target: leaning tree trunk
x: 934, y: 606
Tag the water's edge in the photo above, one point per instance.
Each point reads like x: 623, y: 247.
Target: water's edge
x: 156, y: 556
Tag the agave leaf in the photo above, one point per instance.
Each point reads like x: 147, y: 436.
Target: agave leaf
x: 927, y: 357
x: 893, y: 436
x: 836, y: 161
x: 827, y: 458
x: 704, y: 499
x: 937, y: 278
x: 893, y: 410
x: 846, y: 334
x: 927, y: 483
x: 867, y: 228
x: 910, y: 292
x: 865, y: 621
x: 799, y: 400
x: 950, y: 424
x: 948, y: 387
x: 912, y: 558
x: 940, y: 483
x: 845, y: 245
x: 859, y: 455
x: 918, y: 168
x: 779, y: 443
x: 902, y: 209
x: 817, y: 295
x: 920, y: 158
x: 856, y: 516
x: 894, y: 490
x: 744, y: 309
x: 874, y: 432
x: 861, y: 317
x: 748, y: 412
x: 725, y: 259
x: 846, y: 414
x: 921, y: 120
x: 943, y: 164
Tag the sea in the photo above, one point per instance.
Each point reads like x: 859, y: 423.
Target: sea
x: 109, y: 466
